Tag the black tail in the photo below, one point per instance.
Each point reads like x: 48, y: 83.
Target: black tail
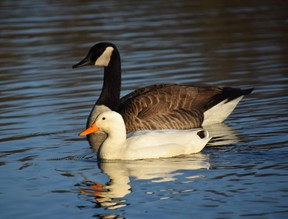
x: 228, y: 94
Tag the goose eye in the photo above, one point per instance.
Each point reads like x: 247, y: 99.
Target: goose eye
x: 103, y: 118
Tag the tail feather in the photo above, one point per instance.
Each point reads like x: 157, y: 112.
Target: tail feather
x: 221, y: 105
x: 228, y: 94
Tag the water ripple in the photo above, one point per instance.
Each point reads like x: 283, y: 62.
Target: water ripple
x: 45, y: 103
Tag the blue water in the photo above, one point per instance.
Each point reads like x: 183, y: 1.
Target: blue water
x: 48, y: 171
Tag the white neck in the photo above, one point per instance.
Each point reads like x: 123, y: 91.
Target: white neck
x: 113, y: 146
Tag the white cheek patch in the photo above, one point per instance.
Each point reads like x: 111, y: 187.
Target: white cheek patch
x: 104, y: 59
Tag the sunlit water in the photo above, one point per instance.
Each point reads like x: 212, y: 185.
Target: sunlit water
x: 47, y: 171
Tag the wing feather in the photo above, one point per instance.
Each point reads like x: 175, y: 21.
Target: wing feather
x: 172, y: 106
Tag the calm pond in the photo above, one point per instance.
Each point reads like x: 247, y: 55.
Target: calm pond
x: 46, y: 168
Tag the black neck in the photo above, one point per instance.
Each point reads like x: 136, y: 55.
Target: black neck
x: 110, y: 95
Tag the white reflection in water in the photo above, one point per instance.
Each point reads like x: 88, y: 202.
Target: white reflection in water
x: 222, y: 134
x: 154, y: 170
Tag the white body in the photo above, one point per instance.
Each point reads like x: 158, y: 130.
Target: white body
x: 146, y: 144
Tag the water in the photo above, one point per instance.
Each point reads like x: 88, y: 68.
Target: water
x: 46, y: 169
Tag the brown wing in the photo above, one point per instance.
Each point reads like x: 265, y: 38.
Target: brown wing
x: 166, y: 106
x: 142, y: 91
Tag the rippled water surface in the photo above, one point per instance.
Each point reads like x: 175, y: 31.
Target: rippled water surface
x: 47, y: 171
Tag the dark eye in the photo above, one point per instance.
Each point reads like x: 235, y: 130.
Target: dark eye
x: 103, y: 118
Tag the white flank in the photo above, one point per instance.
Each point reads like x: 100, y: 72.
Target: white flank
x: 104, y: 59
x: 152, y: 144
x: 220, y: 112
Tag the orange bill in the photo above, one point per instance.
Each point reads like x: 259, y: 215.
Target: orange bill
x: 91, y: 129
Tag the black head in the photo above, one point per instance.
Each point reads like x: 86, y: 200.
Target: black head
x: 99, y: 55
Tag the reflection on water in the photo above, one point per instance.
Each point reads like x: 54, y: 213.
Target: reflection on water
x: 112, y: 194
x: 44, y: 105
x: 222, y: 134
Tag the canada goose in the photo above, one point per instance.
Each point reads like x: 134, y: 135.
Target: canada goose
x: 158, y: 106
x: 145, y: 145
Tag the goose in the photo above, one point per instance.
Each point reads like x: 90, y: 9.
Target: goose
x: 144, y: 145
x: 158, y: 106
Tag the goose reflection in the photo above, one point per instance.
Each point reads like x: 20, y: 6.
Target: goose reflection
x: 110, y: 195
x: 222, y: 134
